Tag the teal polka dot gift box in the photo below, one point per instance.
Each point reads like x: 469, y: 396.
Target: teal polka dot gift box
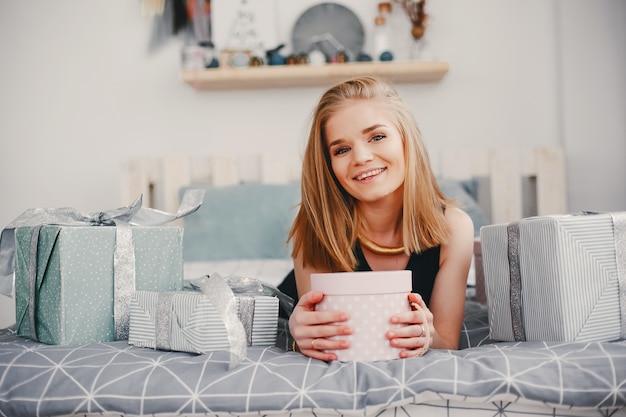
x: 71, y: 297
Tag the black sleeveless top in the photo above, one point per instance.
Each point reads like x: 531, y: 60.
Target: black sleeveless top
x: 424, y: 267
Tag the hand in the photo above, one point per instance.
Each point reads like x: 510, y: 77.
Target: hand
x: 417, y: 336
x: 312, y: 330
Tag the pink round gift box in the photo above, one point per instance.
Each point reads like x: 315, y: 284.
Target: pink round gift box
x: 370, y: 298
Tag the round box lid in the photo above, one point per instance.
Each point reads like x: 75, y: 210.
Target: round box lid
x: 364, y: 282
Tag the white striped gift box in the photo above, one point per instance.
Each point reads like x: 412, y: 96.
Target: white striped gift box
x: 195, y: 324
x: 556, y: 278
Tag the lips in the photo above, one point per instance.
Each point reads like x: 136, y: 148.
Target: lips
x: 369, y: 174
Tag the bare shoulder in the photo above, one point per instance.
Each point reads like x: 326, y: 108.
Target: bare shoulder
x: 461, y: 236
x: 459, y: 248
x: 459, y: 221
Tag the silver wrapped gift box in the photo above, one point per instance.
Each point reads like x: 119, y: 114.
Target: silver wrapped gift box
x: 556, y: 278
x: 189, y: 321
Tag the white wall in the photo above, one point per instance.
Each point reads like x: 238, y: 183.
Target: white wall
x: 593, y: 102
x: 82, y: 89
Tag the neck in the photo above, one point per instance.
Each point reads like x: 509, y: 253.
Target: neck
x: 381, y: 218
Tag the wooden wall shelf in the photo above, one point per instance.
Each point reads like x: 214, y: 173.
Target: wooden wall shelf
x: 311, y: 75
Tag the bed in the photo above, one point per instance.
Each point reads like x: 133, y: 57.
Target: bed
x: 485, y: 377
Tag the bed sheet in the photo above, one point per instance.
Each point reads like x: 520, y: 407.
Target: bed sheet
x: 107, y: 378
x: 484, y: 377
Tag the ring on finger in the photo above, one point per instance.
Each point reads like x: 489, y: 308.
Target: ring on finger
x: 313, y: 344
x: 422, y: 330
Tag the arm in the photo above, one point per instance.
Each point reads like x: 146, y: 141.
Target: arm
x: 447, y: 302
x: 312, y: 329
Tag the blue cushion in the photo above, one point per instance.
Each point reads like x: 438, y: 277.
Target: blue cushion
x: 251, y: 221
x: 247, y: 221
x: 465, y: 193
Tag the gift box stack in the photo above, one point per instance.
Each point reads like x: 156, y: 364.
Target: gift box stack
x: 74, y: 273
x: 556, y: 278
x: 79, y: 278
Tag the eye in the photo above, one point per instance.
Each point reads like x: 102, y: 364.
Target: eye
x: 341, y: 150
x: 377, y: 138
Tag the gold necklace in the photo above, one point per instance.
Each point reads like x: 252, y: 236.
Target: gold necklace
x: 379, y: 250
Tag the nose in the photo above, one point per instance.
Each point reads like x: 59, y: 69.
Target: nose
x: 361, y: 153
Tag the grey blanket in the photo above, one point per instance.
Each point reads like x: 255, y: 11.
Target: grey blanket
x: 43, y: 380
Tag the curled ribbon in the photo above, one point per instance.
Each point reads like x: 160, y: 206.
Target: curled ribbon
x: 124, y: 262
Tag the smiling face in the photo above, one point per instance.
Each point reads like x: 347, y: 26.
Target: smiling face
x: 366, y: 150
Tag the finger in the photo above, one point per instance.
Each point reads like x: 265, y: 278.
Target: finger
x: 421, y: 330
x: 307, y: 304
x: 415, y: 330
x: 309, y: 300
x: 416, y: 297
x: 410, y: 343
x: 413, y: 353
x: 320, y: 348
x: 325, y: 331
x: 327, y: 344
x: 304, y: 327
x: 318, y: 318
x: 415, y: 300
x: 412, y: 317
x: 318, y: 354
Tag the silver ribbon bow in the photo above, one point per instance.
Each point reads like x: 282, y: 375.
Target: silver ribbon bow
x: 219, y: 292
x: 124, y: 258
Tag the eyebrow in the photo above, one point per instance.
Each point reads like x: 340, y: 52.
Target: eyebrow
x: 363, y: 132
x: 373, y: 127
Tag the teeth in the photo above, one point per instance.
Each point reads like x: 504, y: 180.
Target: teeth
x: 369, y: 174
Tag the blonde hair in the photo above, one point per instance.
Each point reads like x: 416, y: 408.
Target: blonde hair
x: 326, y: 226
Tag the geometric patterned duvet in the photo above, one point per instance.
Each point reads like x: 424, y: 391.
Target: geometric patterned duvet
x: 496, y: 379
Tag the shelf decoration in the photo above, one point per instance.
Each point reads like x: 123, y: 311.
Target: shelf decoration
x: 244, y: 65
x: 225, y: 78
x: 415, y: 10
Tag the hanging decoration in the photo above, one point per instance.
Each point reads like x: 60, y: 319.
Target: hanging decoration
x: 183, y: 13
x: 194, y: 13
x: 415, y: 10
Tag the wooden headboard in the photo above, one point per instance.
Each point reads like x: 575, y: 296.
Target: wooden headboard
x: 519, y: 181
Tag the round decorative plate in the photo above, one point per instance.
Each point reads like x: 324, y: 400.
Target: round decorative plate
x: 329, y: 27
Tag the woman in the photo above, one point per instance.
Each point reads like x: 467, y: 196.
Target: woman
x: 371, y: 202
